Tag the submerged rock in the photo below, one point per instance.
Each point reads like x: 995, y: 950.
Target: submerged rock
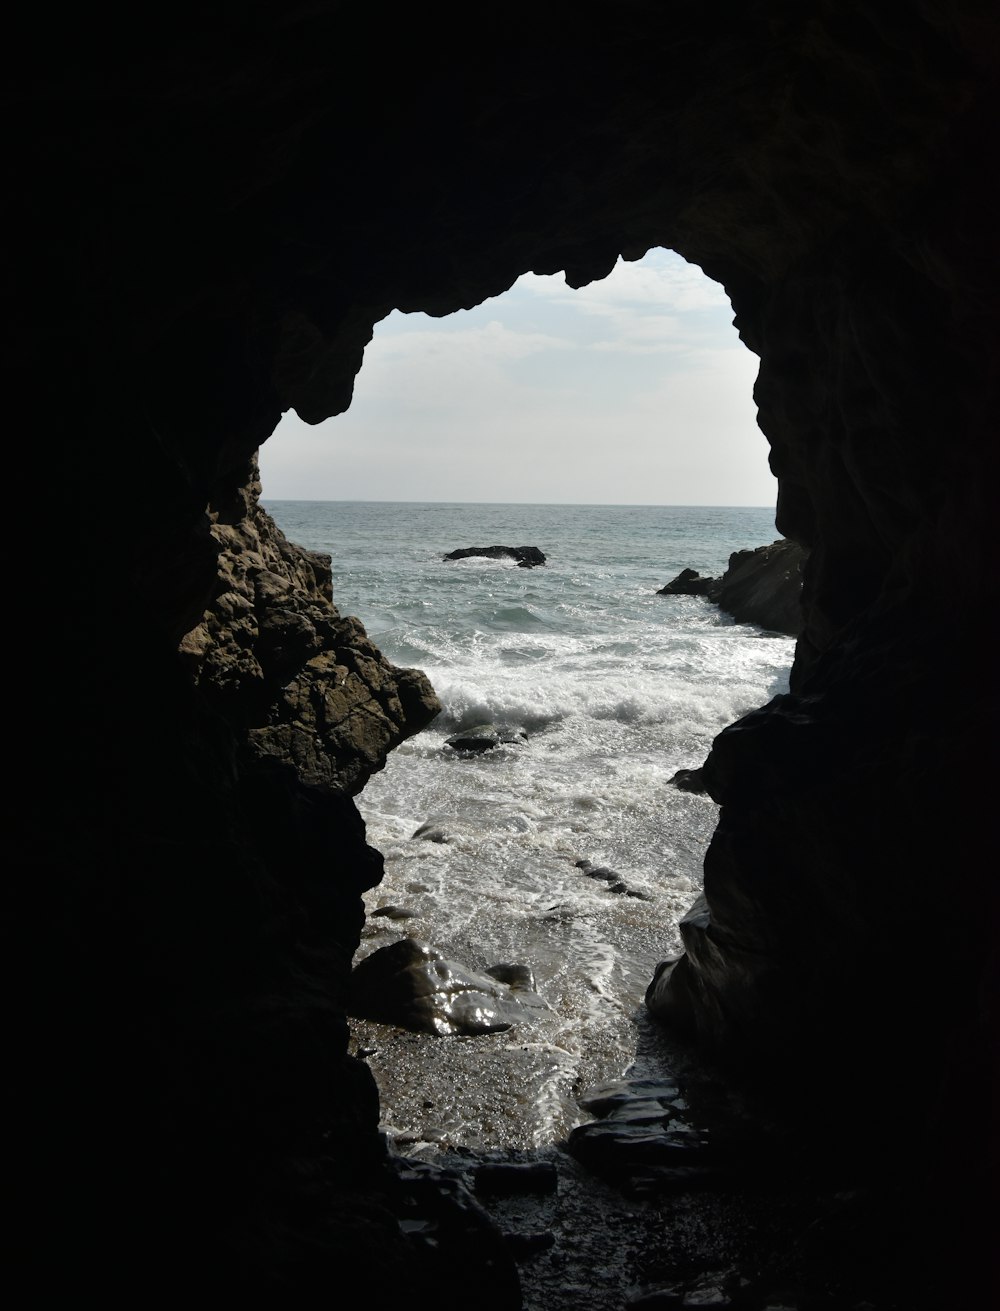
x: 430, y: 831
x: 527, y: 557
x: 612, y: 878
x: 411, y: 985
x: 484, y: 737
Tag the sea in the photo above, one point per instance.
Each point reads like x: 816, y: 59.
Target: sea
x: 616, y: 688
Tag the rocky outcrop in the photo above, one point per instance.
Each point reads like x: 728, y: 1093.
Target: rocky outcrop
x: 527, y: 557
x: 273, y: 654
x: 762, y: 586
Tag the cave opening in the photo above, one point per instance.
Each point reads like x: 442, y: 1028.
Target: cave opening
x: 632, y: 389
x: 501, y: 424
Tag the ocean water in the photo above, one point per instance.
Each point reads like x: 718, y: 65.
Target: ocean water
x: 617, y: 688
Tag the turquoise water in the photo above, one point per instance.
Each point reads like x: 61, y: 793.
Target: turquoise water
x: 617, y: 688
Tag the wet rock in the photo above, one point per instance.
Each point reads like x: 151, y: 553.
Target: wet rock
x: 642, y: 1142
x: 430, y: 832
x: 393, y: 913
x: 689, y: 780
x: 613, y: 879
x: 515, y: 1178
x: 598, y: 871
x: 527, y: 557
x: 516, y: 976
x: 610, y: 1097
x: 409, y: 984
x: 484, y: 737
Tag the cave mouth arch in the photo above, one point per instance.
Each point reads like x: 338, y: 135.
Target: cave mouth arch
x: 631, y: 389
x: 601, y: 753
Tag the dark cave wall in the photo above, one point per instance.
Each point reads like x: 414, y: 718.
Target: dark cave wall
x: 211, y: 211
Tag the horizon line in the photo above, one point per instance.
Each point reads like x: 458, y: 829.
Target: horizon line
x: 610, y: 505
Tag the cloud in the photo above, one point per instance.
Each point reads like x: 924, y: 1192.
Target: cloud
x: 633, y: 390
x: 662, y: 281
x: 491, y: 340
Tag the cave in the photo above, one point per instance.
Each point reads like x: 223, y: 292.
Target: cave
x: 210, y: 209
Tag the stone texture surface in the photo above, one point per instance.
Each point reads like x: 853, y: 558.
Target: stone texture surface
x: 273, y: 654
x: 410, y: 984
x: 209, y: 211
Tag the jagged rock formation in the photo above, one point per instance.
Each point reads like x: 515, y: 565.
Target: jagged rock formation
x: 762, y: 586
x: 209, y: 211
x: 274, y: 656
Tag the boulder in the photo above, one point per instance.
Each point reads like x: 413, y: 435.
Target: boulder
x: 411, y: 985
x: 515, y: 975
x: 527, y: 557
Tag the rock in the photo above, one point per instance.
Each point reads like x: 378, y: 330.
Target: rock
x: 454, y: 1238
x: 430, y: 832
x: 712, y: 1292
x: 409, y: 984
x: 392, y: 913
x: 484, y: 737
x: 689, y: 780
x: 516, y: 976
x: 612, y: 878
x: 762, y: 586
x: 621, y: 1094
x: 658, y: 1299
x: 643, y: 1140
x: 527, y: 557
x: 602, y: 872
x: 515, y: 1178
x: 273, y: 654
x: 523, y: 1247
x: 688, y: 583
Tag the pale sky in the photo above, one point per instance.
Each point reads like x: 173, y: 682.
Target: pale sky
x: 631, y: 391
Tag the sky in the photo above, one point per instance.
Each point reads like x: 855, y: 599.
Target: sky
x: 631, y: 391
